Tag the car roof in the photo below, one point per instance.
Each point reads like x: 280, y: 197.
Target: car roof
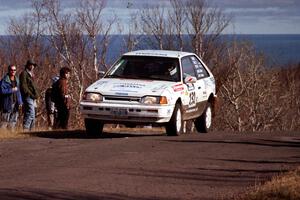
x: 159, y: 53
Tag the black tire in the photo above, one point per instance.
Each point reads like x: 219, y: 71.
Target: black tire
x: 203, y: 123
x: 175, y: 126
x: 93, y: 127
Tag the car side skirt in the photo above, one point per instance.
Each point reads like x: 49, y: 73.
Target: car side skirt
x: 194, y: 112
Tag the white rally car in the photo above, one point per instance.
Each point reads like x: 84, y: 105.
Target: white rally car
x: 166, y: 88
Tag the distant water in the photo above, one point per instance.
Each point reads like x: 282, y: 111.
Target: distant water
x: 278, y: 49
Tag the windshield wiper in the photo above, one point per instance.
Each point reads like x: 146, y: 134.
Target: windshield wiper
x: 114, y: 76
x: 160, y: 78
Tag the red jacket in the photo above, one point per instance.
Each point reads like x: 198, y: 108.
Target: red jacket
x: 63, y: 97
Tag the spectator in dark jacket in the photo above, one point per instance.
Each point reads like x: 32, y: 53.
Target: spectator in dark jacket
x: 62, y: 99
x: 11, y: 100
x: 29, y: 94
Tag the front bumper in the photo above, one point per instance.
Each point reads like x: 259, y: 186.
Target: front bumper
x: 136, y: 113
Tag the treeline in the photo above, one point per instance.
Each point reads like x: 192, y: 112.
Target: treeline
x: 251, y: 96
x: 254, y: 97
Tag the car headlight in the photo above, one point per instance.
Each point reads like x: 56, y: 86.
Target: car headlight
x: 154, y: 100
x: 92, y: 97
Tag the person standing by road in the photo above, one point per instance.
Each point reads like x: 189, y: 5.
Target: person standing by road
x: 29, y: 94
x: 11, y: 100
x: 50, y: 105
x: 61, y: 98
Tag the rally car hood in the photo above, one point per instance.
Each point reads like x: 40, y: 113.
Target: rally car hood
x: 130, y: 87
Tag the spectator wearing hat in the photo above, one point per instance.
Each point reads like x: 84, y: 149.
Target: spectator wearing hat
x: 29, y: 94
x: 11, y: 100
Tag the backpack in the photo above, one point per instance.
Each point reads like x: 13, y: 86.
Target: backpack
x: 48, y: 98
x: 55, y: 92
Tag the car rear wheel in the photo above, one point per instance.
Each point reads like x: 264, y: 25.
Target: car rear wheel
x: 203, y: 123
x: 175, y: 126
x: 93, y: 127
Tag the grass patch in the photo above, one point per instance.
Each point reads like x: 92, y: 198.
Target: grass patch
x: 282, y: 187
x: 108, y: 131
x: 6, y: 134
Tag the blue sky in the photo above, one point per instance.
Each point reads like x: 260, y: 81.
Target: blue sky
x: 250, y: 16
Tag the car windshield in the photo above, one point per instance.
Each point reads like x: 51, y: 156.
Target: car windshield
x: 146, y: 67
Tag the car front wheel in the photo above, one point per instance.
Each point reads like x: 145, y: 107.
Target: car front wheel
x: 175, y: 126
x: 93, y: 127
x: 203, y: 123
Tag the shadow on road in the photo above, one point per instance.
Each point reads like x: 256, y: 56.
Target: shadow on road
x: 208, y: 176
x: 81, y: 134
x: 259, y: 142
x: 260, y: 161
x: 34, y: 194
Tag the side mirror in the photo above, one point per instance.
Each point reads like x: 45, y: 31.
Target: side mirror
x: 101, y: 74
x: 190, y: 79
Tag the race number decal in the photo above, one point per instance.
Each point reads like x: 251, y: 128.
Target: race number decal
x: 192, y: 101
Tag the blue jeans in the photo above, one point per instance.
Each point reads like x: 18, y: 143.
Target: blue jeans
x: 29, y: 113
x: 9, y: 120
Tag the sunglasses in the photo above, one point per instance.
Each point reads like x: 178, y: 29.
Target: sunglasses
x: 13, y: 70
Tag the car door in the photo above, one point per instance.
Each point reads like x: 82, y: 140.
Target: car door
x: 191, y: 95
x: 202, y: 75
x: 198, y: 96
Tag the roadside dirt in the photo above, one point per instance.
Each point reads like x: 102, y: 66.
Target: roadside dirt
x: 142, y: 166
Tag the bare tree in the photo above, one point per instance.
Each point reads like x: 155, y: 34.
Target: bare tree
x: 55, y: 38
x: 233, y: 88
x: 69, y: 45
x: 252, y: 96
x: 67, y: 34
x: 185, y: 25
x: 289, y: 96
x: 205, y: 26
x: 26, y: 41
x: 177, y: 19
x: 90, y: 17
x: 133, y: 35
x: 153, y: 23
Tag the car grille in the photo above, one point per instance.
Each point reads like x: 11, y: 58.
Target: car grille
x: 121, y: 98
x: 129, y: 118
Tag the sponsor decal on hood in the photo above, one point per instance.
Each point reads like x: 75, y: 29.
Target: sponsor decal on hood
x: 113, y: 86
x: 127, y: 86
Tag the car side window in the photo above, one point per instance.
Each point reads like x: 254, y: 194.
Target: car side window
x: 200, y: 69
x: 188, y: 67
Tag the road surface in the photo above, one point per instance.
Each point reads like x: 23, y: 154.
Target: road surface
x: 139, y: 166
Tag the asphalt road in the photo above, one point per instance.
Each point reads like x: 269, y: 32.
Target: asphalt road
x: 70, y: 166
